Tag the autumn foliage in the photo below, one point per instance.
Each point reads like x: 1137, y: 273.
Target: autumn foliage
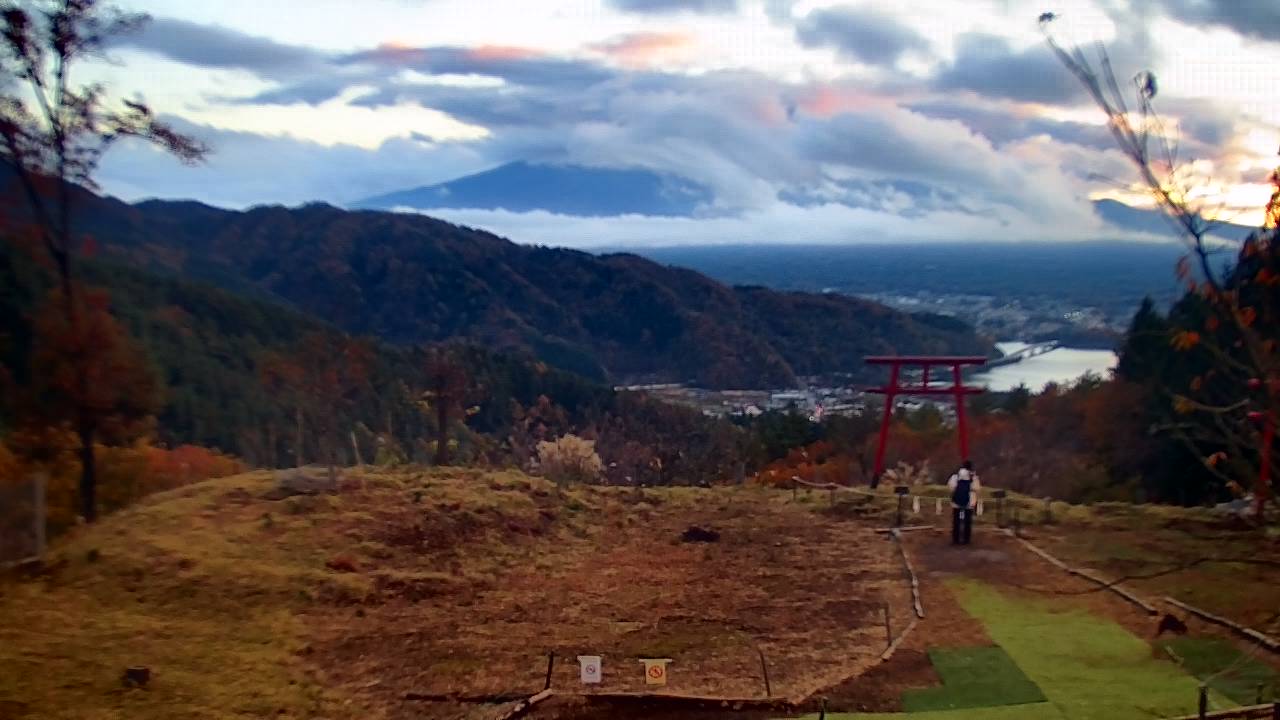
x: 126, y: 473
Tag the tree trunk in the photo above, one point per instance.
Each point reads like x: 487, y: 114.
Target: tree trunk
x: 442, y: 431
x: 88, y: 476
x: 355, y: 448
x: 330, y: 444
x: 297, y: 443
x: 271, y: 445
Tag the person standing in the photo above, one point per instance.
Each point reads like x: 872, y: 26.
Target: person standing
x: 964, y: 486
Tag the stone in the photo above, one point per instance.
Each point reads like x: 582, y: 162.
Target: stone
x: 309, y: 480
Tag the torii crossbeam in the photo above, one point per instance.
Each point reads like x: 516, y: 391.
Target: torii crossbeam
x: 957, y: 389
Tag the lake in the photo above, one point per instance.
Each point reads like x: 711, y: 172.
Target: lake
x: 1057, y: 366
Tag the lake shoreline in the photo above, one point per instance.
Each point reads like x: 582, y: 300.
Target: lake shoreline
x: 1063, y: 365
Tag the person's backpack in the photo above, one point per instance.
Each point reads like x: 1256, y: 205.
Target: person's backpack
x: 964, y: 486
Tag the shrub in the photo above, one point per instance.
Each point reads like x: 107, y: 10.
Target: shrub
x: 569, y: 459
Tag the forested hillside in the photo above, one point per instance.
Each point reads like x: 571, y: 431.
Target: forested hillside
x: 213, y: 354
x: 407, y: 279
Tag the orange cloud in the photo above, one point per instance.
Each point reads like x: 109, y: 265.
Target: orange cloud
x: 501, y: 52
x: 400, y: 52
x: 826, y: 101
x: 644, y: 48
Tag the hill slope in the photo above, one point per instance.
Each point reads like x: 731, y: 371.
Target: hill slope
x: 342, y: 603
x: 408, y: 279
x: 208, y: 349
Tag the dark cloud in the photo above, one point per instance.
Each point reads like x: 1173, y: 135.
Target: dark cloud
x: 216, y: 47
x: 243, y: 169
x: 1200, y: 125
x: 895, y: 144
x: 988, y: 65
x: 1259, y: 19
x: 1001, y: 124
x: 859, y: 33
x: 748, y: 137
x: 669, y: 6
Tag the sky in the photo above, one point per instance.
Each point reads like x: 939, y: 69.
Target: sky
x: 806, y: 120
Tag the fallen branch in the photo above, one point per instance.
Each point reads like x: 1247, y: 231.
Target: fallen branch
x: 492, y: 698
x: 525, y: 706
x: 1265, y: 641
x: 911, y: 574
x: 1269, y: 710
x: 886, y: 531
x: 712, y: 702
x: 893, y: 647
x: 1090, y: 576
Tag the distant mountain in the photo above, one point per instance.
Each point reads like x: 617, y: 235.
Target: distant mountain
x: 409, y: 278
x: 562, y: 189
x: 1155, y: 222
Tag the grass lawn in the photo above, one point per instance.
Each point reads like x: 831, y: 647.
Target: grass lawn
x: 1226, y: 669
x: 1088, y: 667
x: 973, y: 678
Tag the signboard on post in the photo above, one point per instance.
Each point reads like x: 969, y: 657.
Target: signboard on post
x: 655, y: 670
x: 589, y: 666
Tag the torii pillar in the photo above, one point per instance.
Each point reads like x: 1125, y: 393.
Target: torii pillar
x: 957, y: 389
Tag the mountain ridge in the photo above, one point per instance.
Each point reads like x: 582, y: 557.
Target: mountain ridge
x: 409, y: 278
x: 564, y: 189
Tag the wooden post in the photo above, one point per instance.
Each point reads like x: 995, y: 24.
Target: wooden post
x: 551, y: 663
x: 999, y: 495
x: 888, y: 629
x: 355, y: 447
x: 38, y: 481
x: 822, y: 713
x: 764, y: 668
x: 1048, y: 510
x: 1204, y: 702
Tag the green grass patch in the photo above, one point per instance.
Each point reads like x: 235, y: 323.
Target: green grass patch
x: 973, y: 677
x: 1225, y: 668
x: 1038, y: 711
x: 1087, y: 666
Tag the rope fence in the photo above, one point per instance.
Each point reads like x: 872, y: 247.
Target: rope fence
x: 1009, y: 510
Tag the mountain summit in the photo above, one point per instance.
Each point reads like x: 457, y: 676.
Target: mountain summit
x: 559, y: 189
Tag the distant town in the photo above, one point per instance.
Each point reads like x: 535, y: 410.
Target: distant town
x: 1029, y: 318
x: 818, y: 399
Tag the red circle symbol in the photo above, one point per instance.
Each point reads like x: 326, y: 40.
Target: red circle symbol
x: 655, y: 671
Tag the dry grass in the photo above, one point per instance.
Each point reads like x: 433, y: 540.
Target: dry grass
x: 208, y: 602
x: 434, y: 581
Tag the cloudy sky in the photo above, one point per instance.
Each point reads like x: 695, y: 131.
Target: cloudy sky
x: 807, y: 120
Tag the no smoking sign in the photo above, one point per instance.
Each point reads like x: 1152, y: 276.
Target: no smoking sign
x: 655, y: 670
x: 589, y: 666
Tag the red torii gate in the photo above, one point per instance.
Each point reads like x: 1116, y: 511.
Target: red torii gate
x: 957, y: 389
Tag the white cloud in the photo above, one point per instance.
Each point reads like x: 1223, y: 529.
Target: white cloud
x: 980, y: 134
x: 780, y: 223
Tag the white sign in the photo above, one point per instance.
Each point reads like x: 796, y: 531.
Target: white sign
x: 590, y: 667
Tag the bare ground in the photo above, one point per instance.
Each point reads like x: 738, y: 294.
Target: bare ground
x: 805, y: 591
